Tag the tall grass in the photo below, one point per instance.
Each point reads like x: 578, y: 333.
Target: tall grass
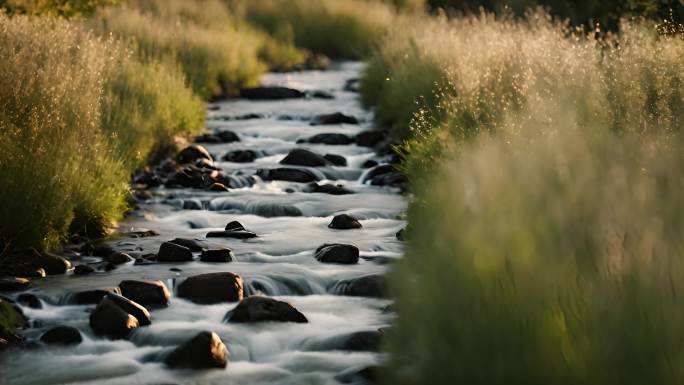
x: 339, y: 29
x: 77, y: 114
x: 545, y: 242
x: 216, y: 55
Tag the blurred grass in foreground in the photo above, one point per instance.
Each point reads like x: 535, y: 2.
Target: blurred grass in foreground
x: 546, y: 231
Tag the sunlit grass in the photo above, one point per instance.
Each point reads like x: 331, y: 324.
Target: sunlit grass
x: 338, y: 29
x: 77, y: 115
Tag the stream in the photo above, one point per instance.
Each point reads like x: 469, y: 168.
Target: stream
x: 290, y: 223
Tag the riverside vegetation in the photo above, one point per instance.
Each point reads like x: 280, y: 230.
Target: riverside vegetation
x: 545, y: 159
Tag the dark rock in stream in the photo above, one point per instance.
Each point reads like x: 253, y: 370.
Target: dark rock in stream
x: 385, y: 175
x: 260, y: 309
x: 270, y: 93
x: 216, y: 255
x: 29, y: 300
x: 203, y: 351
x: 320, y: 94
x: 102, y: 250
x: 287, y: 174
x: 330, y: 139
x: 131, y: 307
x: 334, y: 118
x: 212, y: 288
x: 303, y: 157
x: 218, y: 137
x: 337, y: 253
x: 146, y: 293
x: 171, y: 252
x: 62, y: 335
x: 240, y: 156
x: 52, y: 264
x: 370, y: 138
x: 191, y: 244
x: 337, y: 160
x: 328, y: 189
x: 400, y: 234
x: 192, y: 153
x: 369, y: 163
x: 373, y: 285
x: 366, y: 341
x: 83, y: 270
x: 88, y: 297
x: 118, y: 258
x: 220, y: 187
x: 344, y: 222
x: 14, y: 283
x: 233, y: 229
x: 109, y: 320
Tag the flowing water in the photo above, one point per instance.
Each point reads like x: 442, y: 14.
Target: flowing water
x: 280, y: 262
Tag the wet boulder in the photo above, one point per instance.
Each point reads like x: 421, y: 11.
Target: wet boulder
x: 331, y: 139
x: 131, y: 307
x: 171, y: 252
x: 400, y: 234
x: 118, y: 258
x: 62, y: 335
x: 102, y: 250
x: 240, y: 156
x: 29, y: 300
x: 218, y: 137
x: 334, y: 118
x: 365, y: 341
x: 385, y: 175
x: 303, y: 157
x: 337, y: 253
x: 191, y: 244
x: 212, y: 288
x: 83, y: 270
x: 87, y: 297
x: 320, y: 94
x: 187, y: 177
x: 219, y: 187
x: 344, y: 222
x: 203, y: 351
x: 216, y: 255
x: 374, y: 285
x: 337, y: 160
x: 192, y: 153
x: 370, y: 138
x: 260, y: 309
x: 328, y: 189
x: 270, y: 93
x: 370, y: 163
x: 234, y: 229
x: 14, y: 283
x: 53, y: 264
x: 146, y: 293
x: 287, y: 174
x: 109, y: 320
